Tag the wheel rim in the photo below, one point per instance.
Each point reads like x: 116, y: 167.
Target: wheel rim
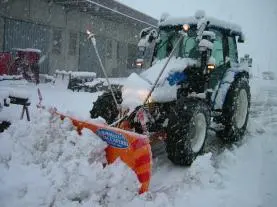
x: 241, y: 108
x: 198, y: 132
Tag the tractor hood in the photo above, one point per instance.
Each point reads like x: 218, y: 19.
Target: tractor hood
x: 137, y: 87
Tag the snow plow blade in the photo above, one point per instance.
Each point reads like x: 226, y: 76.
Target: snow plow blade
x: 132, y: 148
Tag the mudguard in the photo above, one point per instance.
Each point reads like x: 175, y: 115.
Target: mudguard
x: 221, y: 90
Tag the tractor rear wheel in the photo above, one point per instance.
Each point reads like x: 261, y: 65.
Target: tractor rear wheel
x: 187, y: 130
x: 235, y: 111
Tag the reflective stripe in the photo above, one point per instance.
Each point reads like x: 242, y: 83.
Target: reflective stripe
x: 144, y: 177
x: 142, y: 160
x: 139, y: 143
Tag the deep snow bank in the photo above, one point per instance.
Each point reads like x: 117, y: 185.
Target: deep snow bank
x: 45, y: 163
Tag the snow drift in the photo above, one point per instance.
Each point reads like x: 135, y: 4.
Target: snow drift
x: 46, y: 163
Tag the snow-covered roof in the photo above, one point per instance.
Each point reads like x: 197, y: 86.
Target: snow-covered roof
x: 28, y: 50
x: 10, y: 77
x: 83, y: 74
x: 193, y: 20
x: 80, y: 74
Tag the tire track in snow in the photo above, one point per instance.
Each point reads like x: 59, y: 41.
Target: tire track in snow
x: 267, y: 120
x: 251, y: 151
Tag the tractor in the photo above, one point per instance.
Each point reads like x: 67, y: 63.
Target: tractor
x: 195, y: 79
x: 23, y: 62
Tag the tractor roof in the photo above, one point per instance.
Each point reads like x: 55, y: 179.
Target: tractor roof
x: 193, y: 20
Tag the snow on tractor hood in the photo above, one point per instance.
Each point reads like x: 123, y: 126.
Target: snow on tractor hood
x: 137, y: 87
x: 174, y: 65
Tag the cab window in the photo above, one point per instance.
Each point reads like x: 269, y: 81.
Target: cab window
x: 217, y: 52
x: 233, y: 55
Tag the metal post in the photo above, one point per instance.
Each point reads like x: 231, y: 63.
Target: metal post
x: 92, y: 38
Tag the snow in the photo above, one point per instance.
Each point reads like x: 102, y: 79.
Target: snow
x: 210, y: 34
x: 174, y: 65
x: 113, y: 81
x: 45, y: 163
x: 59, y: 167
x: 134, y: 91
x: 136, y: 87
x: 94, y: 83
x: 5, y: 92
x: 46, y: 77
x: 4, y: 95
x: 10, y: 77
x: 193, y: 20
x: 143, y: 42
x: 145, y: 34
x: 62, y: 72
x: 83, y: 74
x: 205, y: 44
x: 19, y: 93
x: 212, y: 60
x: 28, y: 50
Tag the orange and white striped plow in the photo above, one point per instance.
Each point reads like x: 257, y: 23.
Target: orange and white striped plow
x: 132, y: 148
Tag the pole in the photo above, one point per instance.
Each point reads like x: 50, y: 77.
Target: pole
x: 92, y: 38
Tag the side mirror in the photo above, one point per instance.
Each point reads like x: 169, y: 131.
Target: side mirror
x: 250, y: 61
x: 149, y: 34
x: 241, y: 38
x: 246, y: 60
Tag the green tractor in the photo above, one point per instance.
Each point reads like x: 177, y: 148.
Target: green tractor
x: 195, y: 79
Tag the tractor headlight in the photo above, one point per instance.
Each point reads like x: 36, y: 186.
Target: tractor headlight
x: 186, y: 27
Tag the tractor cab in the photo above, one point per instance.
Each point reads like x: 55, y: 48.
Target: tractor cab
x: 210, y: 42
x: 168, y: 37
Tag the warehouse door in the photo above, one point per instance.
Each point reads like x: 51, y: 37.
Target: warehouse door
x: 88, y: 60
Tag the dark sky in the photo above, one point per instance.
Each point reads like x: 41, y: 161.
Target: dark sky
x: 258, y: 19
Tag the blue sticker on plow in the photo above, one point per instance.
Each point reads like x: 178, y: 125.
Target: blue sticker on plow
x: 112, y: 138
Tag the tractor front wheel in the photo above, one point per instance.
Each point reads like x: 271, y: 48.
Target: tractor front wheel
x: 187, y: 130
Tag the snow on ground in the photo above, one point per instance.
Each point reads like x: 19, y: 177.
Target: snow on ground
x: 45, y: 163
x: 56, y: 95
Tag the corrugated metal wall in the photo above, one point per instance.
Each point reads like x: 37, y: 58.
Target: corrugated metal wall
x: 88, y: 60
x: 122, y: 55
x: 20, y: 34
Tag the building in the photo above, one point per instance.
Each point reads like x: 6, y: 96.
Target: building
x: 58, y: 29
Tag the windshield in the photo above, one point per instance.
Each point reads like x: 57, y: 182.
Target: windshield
x: 167, y: 40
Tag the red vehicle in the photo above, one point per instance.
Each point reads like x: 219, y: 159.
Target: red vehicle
x: 5, y: 61
x: 21, y: 61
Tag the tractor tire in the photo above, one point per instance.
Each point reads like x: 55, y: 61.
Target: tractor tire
x: 235, y: 111
x: 105, y: 107
x: 187, y: 130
